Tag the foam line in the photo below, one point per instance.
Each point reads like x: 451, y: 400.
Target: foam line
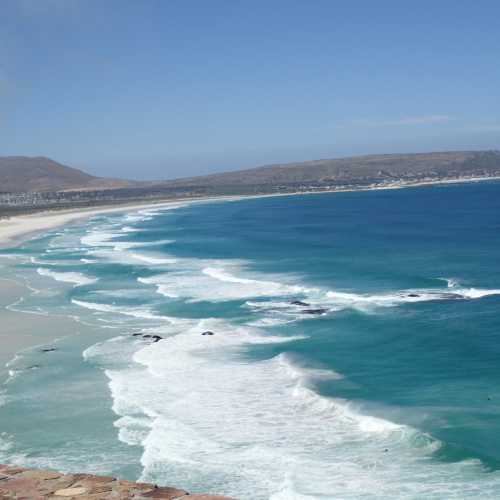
x: 78, y: 279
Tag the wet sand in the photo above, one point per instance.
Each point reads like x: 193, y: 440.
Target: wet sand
x: 19, y: 331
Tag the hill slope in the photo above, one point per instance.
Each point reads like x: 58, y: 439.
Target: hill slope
x: 39, y: 174
x: 357, y: 170
x: 23, y: 173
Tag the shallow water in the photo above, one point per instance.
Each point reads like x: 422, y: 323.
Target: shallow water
x: 380, y: 381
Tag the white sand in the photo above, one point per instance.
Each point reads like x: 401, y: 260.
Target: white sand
x: 16, y: 228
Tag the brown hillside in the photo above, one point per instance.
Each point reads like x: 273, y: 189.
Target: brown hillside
x: 22, y: 173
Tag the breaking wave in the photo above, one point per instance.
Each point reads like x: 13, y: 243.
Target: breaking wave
x: 193, y: 404
x: 78, y: 279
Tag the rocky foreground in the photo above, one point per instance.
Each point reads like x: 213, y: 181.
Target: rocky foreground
x: 29, y: 484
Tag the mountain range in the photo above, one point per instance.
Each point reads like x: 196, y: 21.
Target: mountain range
x: 40, y: 174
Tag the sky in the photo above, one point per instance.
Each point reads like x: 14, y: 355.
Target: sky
x: 158, y: 89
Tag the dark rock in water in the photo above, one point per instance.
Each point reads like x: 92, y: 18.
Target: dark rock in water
x: 208, y: 333
x: 315, y: 311
x: 413, y: 295
x: 136, y: 334
x: 299, y: 303
x: 48, y: 349
x: 154, y: 338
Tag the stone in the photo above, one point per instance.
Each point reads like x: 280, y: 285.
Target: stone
x: 50, y: 485
x: 315, y: 311
x: 19, y: 487
x: 208, y: 333
x: 17, y: 483
x: 165, y: 493
x: 94, y: 479
x: 70, y: 492
x: 94, y: 484
x: 128, y: 487
x: 41, y: 474
x: 11, y: 471
x: 299, y: 303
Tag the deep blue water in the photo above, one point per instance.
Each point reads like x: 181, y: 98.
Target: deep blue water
x: 384, y: 383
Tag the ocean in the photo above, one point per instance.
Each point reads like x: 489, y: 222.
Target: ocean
x: 342, y: 346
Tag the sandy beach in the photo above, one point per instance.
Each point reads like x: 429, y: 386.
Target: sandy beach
x: 14, y: 229
x: 22, y: 330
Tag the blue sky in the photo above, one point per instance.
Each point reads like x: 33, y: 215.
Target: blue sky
x: 167, y: 88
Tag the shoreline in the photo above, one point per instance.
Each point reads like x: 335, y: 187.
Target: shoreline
x: 18, y: 335
x: 22, y: 331
x: 373, y: 422
x: 18, y: 228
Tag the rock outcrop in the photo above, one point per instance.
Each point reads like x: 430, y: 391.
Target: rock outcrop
x: 30, y: 484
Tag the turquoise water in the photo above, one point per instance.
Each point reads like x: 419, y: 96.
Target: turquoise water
x: 381, y: 381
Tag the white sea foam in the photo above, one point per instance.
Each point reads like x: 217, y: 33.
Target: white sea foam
x: 78, y: 279
x: 125, y: 245
x: 258, y: 287
x: 104, y: 245
x: 367, y: 302
x: 450, y: 282
x: 97, y: 238
x: 5, y: 445
x: 283, y: 312
x: 59, y: 262
x: 140, y: 216
x: 210, y: 419
x: 476, y: 293
x: 121, y: 293
x: 136, y: 312
x: 149, y: 213
x: 203, y: 415
x: 106, y: 238
x: 88, y: 261
x: 149, y: 259
x: 196, y: 281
